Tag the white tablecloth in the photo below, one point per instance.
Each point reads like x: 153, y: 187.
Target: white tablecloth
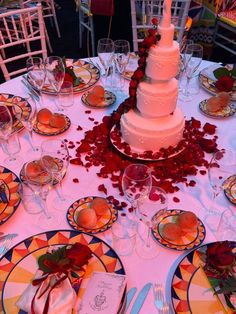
x: 139, y: 271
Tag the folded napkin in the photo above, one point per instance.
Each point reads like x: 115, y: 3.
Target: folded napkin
x: 208, y: 72
x: 53, y: 294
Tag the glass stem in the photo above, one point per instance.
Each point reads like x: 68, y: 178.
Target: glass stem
x: 186, y: 91
x: 59, y: 192
x: 44, y: 195
x: 148, y: 237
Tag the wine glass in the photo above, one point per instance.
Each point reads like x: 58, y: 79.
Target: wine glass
x: 221, y: 167
x: 55, y: 73
x: 121, y: 56
x: 55, y: 158
x: 105, y: 50
x: 5, y: 122
x: 184, y: 58
x: 36, y: 74
x: 40, y: 185
x: 149, y: 209
x: 193, y: 58
x: 11, y: 146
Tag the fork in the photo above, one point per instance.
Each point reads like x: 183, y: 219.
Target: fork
x: 158, y: 297
x: 5, y: 242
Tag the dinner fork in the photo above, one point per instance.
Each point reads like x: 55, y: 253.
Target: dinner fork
x: 158, y: 296
x: 5, y: 242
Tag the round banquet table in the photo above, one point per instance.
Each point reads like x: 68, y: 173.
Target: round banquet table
x: 139, y: 271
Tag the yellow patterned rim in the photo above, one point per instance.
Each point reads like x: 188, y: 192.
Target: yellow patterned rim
x: 11, y: 185
x: 223, y: 113
x: 109, y: 99
x: 22, y: 103
x: 186, y: 242
x: 104, y: 222
x: 88, y: 72
x: 19, y: 265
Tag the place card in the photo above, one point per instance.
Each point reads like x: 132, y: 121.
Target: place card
x: 103, y: 294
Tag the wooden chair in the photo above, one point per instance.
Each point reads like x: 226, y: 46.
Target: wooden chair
x: 20, y: 39
x: 142, y: 12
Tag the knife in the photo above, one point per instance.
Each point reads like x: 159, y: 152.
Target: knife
x: 140, y: 299
x: 129, y: 297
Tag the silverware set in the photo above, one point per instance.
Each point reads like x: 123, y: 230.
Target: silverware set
x: 159, y: 299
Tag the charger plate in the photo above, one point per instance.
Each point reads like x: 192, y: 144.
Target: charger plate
x: 109, y: 99
x: 11, y: 186
x: 227, y: 111
x: 47, y: 130
x: 186, y: 242
x: 19, y: 265
x: 104, y: 222
x: 190, y: 289
x: 22, y: 103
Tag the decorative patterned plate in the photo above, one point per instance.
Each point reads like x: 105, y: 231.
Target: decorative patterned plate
x: 187, y: 241
x: 225, y: 112
x: 209, y: 85
x: 47, y: 130
x: 229, y: 186
x: 109, y: 99
x: 22, y: 103
x: 10, y: 199
x: 190, y: 289
x: 88, y: 72
x: 19, y: 265
x: 103, y: 223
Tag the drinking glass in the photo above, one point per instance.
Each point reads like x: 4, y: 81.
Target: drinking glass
x: 55, y: 158
x: 66, y: 94
x: 5, y: 122
x: 11, y: 146
x: 55, y: 73
x: 105, y: 51
x: 226, y: 226
x: 36, y: 74
x: 40, y: 185
x: 183, y: 63
x: 121, y: 56
x: 149, y: 209
x: 193, y: 58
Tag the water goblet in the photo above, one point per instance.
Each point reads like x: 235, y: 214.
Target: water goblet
x: 105, y: 51
x: 55, y: 158
x: 149, y: 209
x: 11, y: 146
x: 121, y: 57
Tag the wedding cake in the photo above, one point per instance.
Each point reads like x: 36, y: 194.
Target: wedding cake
x: 156, y: 122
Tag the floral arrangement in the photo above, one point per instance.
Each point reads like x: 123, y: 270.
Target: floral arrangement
x: 70, y: 75
x: 225, y: 79
x: 220, y: 269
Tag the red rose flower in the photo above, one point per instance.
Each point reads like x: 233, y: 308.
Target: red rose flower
x: 68, y: 78
x: 220, y: 255
x: 225, y: 84
x: 78, y: 254
x: 138, y: 74
x: 209, y: 128
x: 209, y: 146
x: 154, y: 21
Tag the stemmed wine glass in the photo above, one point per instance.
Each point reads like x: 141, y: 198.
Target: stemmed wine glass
x: 105, y: 50
x: 55, y: 158
x: 184, y: 58
x: 5, y: 122
x: 55, y: 73
x: 148, y: 211
x: 221, y: 167
x: 193, y: 58
x: 121, y: 56
x: 36, y: 74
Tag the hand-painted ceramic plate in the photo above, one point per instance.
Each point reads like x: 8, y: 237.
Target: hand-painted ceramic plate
x: 209, y: 85
x: 229, y: 187
x: 190, y: 290
x: 131, y: 66
x: 9, y: 196
x: 19, y: 265
x: 88, y: 72
x: 223, y: 113
x: 103, y: 222
x: 187, y: 242
x: 22, y: 103
x: 47, y: 130
x: 109, y: 99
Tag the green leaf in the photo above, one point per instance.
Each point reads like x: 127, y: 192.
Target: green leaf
x: 229, y: 304
x: 71, y: 73
x: 221, y: 72
x: 77, y: 81
x: 74, y: 274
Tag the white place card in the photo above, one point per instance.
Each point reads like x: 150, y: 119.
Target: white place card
x: 103, y: 294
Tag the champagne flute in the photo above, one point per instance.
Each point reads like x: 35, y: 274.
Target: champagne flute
x: 193, y: 58
x: 55, y: 158
x: 184, y: 58
x: 149, y: 209
x: 105, y: 50
x: 55, y: 73
x: 121, y: 56
x: 36, y: 74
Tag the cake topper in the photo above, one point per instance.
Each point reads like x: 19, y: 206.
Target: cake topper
x: 166, y: 19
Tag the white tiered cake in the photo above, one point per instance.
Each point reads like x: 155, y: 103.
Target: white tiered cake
x: 156, y: 122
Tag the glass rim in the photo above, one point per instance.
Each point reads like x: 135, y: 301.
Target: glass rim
x: 143, y: 165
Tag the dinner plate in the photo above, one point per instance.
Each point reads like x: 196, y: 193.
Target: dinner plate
x: 9, y: 186
x: 104, y: 222
x: 190, y: 291
x: 208, y: 83
x: 109, y: 99
x: 47, y: 130
x: 88, y: 72
x: 223, y: 113
x: 187, y: 242
x: 22, y: 103
x: 229, y: 186
x: 19, y: 265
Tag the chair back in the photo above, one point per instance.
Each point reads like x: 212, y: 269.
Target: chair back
x: 142, y: 12
x: 21, y: 36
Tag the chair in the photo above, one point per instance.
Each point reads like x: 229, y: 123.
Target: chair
x: 20, y: 39
x: 142, y: 12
